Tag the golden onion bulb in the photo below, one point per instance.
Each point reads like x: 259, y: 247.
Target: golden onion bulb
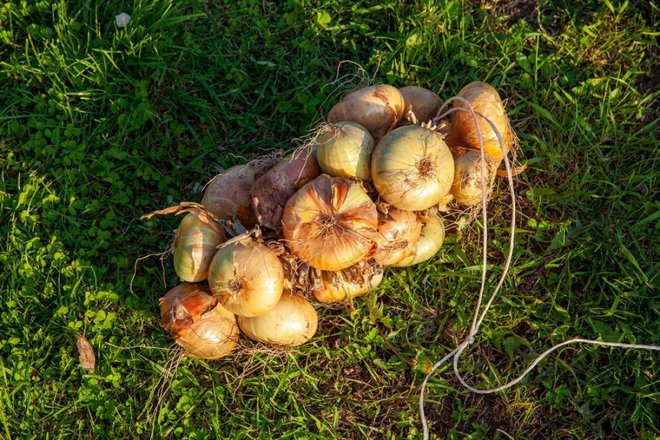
x: 398, y: 232
x: 463, y: 132
x: 330, y: 223
x: 466, y: 188
x: 197, y: 322
x: 247, y: 277
x: 429, y: 243
x: 348, y: 283
x: 412, y: 168
x: 227, y: 195
x: 423, y: 102
x: 344, y: 150
x: 293, y: 321
x: 377, y: 108
x: 194, y: 247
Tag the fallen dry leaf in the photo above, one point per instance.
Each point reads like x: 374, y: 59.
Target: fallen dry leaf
x: 87, y: 357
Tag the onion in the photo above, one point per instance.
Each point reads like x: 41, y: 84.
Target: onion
x: 398, y: 232
x: 423, y: 102
x: 412, y: 168
x: 330, y: 223
x: 466, y: 188
x: 430, y: 242
x: 272, y: 190
x: 348, y: 283
x: 462, y: 131
x: 194, y: 247
x: 227, y: 195
x: 292, y: 322
x: 197, y: 322
x: 344, y: 150
x: 378, y: 108
x: 246, y: 276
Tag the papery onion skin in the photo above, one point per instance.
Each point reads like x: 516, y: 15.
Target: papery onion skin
x: 344, y: 285
x: 227, y: 195
x: 330, y: 223
x: 293, y: 321
x: 398, y: 232
x: 246, y: 277
x: 429, y: 243
x: 463, y: 132
x: 378, y: 108
x: 197, y: 322
x: 412, y: 168
x: 423, y: 102
x: 272, y: 190
x: 344, y: 150
x: 194, y: 247
x: 466, y: 188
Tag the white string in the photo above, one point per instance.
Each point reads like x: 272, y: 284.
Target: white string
x: 478, y: 319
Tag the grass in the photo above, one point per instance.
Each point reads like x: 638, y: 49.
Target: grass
x: 99, y: 125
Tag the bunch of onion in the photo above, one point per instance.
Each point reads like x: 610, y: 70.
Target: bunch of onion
x: 246, y: 276
x: 344, y: 150
x: 423, y: 103
x: 330, y: 223
x: 466, y: 188
x: 293, y: 321
x: 485, y: 101
x: 398, y: 232
x: 227, y: 195
x: 348, y: 283
x: 429, y: 243
x: 412, y: 168
x: 270, y: 192
x: 377, y: 108
x: 197, y: 322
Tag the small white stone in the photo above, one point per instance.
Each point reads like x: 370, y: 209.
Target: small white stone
x: 122, y: 19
